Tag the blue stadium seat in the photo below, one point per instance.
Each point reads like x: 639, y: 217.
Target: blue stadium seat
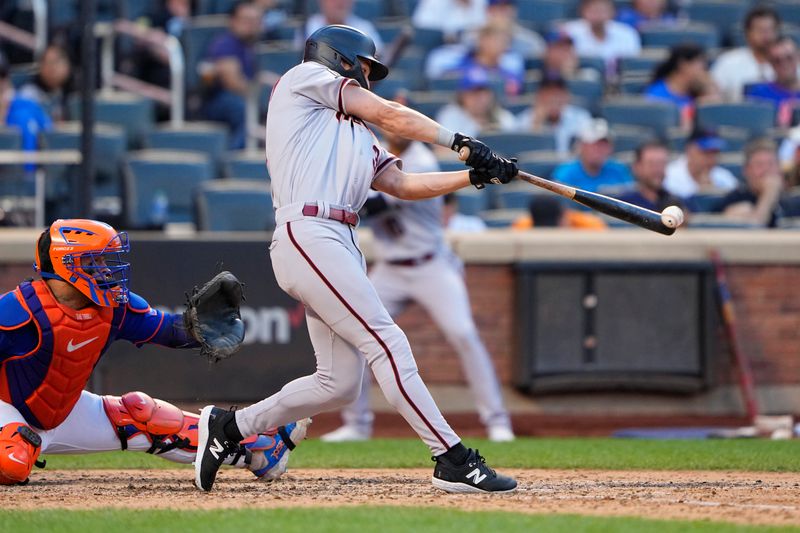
x: 789, y: 10
x: 196, y: 38
x: 597, y: 64
x: 471, y: 201
x: 174, y: 173
x: 451, y: 165
x: 247, y: 165
x: 233, y: 205
x: 389, y: 30
x: 277, y: 59
x: 643, y: 64
x: 538, y: 14
x: 790, y: 203
x: 205, y: 137
x: 389, y: 88
x: 451, y: 81
x: 10, y: 138
x: 502, y: 218
x: 109, y: 145
x: 628, y: 138
x: 427, y: 39
x: 513, y: 144
x: 718, y: 221
x: 587, y: 93
x: 134, y: 114
x: 515, y: 195
x: 755, y: 117
x: 429, y: 103
x: 541, y: 162
x: 705, y: 202
x: 733, y: 161
x: 656, y: 115
x: 698, y: 33
x: 722, y: 14
x: 633, y: 84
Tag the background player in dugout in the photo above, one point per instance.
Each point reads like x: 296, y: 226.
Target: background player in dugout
x: 323, y: 160
x: 52, y: 333
x: 415, y: 264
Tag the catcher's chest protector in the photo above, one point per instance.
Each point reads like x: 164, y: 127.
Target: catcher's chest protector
x: 45, y: 383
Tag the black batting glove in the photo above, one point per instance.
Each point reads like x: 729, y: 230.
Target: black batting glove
x: 480, y: 155
x: 499, y: 171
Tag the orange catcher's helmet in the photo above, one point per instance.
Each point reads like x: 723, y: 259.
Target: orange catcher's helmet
x: 87, y: 254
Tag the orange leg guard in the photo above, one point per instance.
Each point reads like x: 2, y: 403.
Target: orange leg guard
x: 19, y: 450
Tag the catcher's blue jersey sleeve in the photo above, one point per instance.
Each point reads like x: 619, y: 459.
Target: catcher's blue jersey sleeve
x: 142, y: 324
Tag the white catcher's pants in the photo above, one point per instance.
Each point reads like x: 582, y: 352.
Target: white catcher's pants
x: 317, y: 261
x: 438, y: 286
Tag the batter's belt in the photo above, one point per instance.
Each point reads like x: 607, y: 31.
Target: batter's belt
x: 300, y: 210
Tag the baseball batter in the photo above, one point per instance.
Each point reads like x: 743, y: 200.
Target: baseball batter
x: 323, y: 160
x: 52, y: 333
x: 416, y: 264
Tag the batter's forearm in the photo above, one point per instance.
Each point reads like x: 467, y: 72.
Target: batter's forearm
x: 433, y: 184
x: 405, y: 122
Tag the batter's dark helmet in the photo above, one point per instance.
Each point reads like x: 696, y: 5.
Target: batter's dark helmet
x: 332, y: 44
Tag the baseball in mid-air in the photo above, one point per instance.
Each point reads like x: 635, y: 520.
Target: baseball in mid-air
x: 672, y: 216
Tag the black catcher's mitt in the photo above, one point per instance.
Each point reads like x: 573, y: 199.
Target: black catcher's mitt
x: 212, y: 316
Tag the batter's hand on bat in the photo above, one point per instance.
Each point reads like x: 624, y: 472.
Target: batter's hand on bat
x: 480, y: 155
x: 498, y: 171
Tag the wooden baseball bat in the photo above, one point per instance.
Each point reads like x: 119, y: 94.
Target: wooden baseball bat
x: 634, y: 214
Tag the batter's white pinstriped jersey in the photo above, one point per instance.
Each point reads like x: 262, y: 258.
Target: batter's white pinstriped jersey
x: 410, y: 230
x: 315, y: 150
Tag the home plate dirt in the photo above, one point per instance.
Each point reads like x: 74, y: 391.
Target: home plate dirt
x: 741, y: 497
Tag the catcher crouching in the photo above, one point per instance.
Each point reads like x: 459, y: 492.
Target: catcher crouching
x: 53, y: 332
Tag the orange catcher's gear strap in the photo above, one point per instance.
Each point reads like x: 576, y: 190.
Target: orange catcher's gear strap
x: 164, y: 425
x: 19, y: 451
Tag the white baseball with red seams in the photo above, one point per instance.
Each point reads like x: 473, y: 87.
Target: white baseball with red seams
x: 672, y: 216
x: 317, y: 153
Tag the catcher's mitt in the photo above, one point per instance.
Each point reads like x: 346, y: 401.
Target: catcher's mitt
x: 212, y: 316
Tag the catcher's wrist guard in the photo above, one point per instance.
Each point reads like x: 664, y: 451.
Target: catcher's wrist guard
x: 212, y: 316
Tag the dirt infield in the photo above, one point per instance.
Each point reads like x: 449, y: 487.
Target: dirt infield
x: 741, y: 497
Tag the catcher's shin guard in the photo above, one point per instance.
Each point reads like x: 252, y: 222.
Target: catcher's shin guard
x: 19, y: 451
x: 164, y: 425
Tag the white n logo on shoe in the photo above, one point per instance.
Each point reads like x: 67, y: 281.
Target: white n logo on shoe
x: 216, y: 448
x: 476, y: 476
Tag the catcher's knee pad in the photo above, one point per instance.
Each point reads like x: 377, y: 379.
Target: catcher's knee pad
x: 164, y: 425
x: 19, y: 451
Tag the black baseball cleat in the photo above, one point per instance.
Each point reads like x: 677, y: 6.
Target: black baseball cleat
x: 471, y: 477
x: 213, y: 446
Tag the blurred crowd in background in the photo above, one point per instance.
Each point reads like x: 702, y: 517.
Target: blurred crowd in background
x: 693, y: 103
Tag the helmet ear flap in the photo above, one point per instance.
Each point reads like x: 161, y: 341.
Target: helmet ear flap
x: 43, y: 262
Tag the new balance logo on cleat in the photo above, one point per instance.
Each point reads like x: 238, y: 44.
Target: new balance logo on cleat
x: 474, y: 476
x: 216, y: 448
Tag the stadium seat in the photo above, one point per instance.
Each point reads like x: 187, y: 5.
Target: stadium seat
x: 173, y: 173
x: 597, y: 64
x: 705, y: 202
x: 656, y: 115
x: 718, y: 221
x: 451, y: 165
x: 109, y: 145
x: 722, y: 14
x: 587, y: 93
x: 391, y: 86
x: 427, y: 39
x: 501, y: 218
x: 628, y: 138
x: 196, y: 38
x: 645, y: 63
x: 541, y: 162
x: 790, y: 203
x: 513, y: 144
x: 277, y: 58
x: 233, y: 205
x: 634, y: 83
x: 411, y: 67
x: 389, y: 30
x: 450, y: 82
x: 368, y: 9
x: 132, y: 113
x: 515, y: 195
x: 471, y: 201
x: 732, y: 161
x: 538, y: 14
x: 10, y: 138
x: 205, y: 137
x: 789, y: 10
x: 247, y: 165
x: 698, y: 33
x: 755, y: 117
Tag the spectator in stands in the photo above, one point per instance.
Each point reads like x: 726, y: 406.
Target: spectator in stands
x: 551, y: 110
x: 172, y: 17
x: 789, y: 156
x: 784, y: 92
x: 596, y: 34
x: 550, y: 212
x: 274, y: 16
x: 459, y: 222
x: 6, y: 88
x: 560, y: 59
x: 649, y: 170
x: 50, y: 87
x: 643, y: 13
x: 491, y: 54
x: 341, y: 12
x: 503, y: 13
x: 749, y: 64
x: 20, y: 112
x: 452, y: 17
x: 594, y: 168
x: 697, y: 170
x: 757, y: 200
x: 475, y: 110
x: 151, y: 64
x: 683, y: 79
x: 233, y: 60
